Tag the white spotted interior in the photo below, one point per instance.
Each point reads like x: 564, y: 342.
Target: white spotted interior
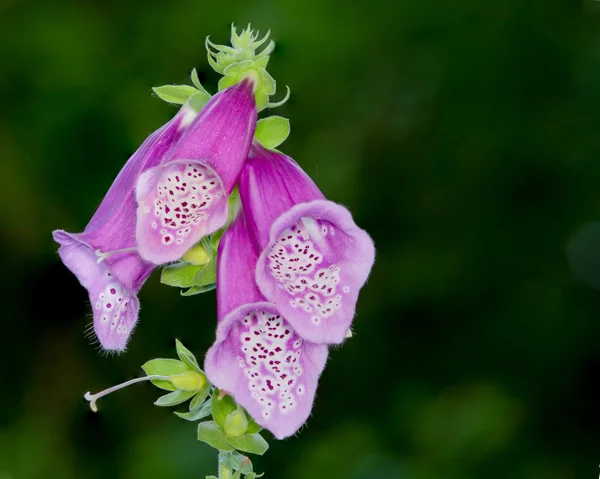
x: 184, y: 195
x: 303, y: 268
x: 271, y: 361
x: 111, y: 306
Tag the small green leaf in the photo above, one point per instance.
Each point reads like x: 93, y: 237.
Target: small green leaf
x: 252, y: 443
x: 210, y: 433
x: 198, y: 100
x: 196, y: 82
x: 164, y: 367
x: 180, y: 275
x: 221, y: 408
x: 212, y: 477
x: 272, y: 131
x: 174, y: 398
x: 200, y: 413
x: 207, y: 275
x: 237, y: 475
x: 186, y: 356
x: 199, y: 289
x: 238, y: 462
x: 177, y: 94
x: 200, y: 397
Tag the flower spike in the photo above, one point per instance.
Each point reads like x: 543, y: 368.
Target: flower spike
x: 313, y: 258
x: 104, y: 257
x: 258, y: 357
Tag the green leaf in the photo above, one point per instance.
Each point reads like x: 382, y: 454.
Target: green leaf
x: 164, y: 367
x: 272, y: 131
x: 200, y: 413
x: 237, y: 475
x: 200, y: 397
x: 210, y: 433
x: 196, y: 82
x: 207, y: 275
x: 199, y: 289
x: 238, y: 462
x: 186, y: 356
x: 221, y: 408
x: 174, y: 398
x: 198, y: 100
x: 177, y: 94
x: 252, y: 443
x: 180, y: 275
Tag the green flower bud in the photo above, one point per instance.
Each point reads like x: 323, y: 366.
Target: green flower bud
x: 236, y: 423
x: 188, y: 381
x: 197, y: 255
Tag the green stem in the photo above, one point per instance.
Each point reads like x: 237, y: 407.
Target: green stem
x: 224, y: 471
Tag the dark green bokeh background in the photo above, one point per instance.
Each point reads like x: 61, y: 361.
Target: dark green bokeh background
x: 464, y: 136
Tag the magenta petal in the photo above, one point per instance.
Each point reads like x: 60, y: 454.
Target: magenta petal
x: 186, y: 198
x: 313, y: 268
x: 257, y: 357
x: 178, y: 204
x: 270, y: 184
x: 113, y: 283
x: 260, y: 360
x: 112, y: 287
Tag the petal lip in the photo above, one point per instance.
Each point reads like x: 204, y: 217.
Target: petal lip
x: 125, y: 275
x: 223, y: 370
x: 149, y: 227
x: 356, y: 268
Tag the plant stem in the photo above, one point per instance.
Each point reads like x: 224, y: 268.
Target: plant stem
x: 224, y: 471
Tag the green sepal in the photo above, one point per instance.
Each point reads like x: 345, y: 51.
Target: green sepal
x: 187, y: 357
x: 180, y: 275
x: 164, y: 367
x: 212, y: 477
x: 237, y: 475
x: 199, y: 289
x: 238, y: 462
x: 262, y: 100
x: 196, y: 82
x: 252, y: 443
x: 237, y: 68
x: 253, y: 426
x: 210, y: 433
x: 200, y: 397
x: 272, y: 131
x: 207, y: 275
x: 173, y: 399
x: 267, y: 82
x: 226, y: 82
x: 198, y: 100
x: 200, y: 413
x: 221, y: 408
x: 177, y: 94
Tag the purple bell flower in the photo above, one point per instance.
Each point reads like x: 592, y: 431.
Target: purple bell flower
x: 104, y: 257
x: 313, y: 258
x: 186, y: 198
x: 258, y: 357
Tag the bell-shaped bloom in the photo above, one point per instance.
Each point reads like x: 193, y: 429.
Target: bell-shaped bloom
x: 258, y: 357
x: 103, y: 257
x: 313, y: 258
x: 185, y: 199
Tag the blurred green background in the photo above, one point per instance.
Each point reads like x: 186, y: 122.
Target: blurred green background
x: 464, y: 136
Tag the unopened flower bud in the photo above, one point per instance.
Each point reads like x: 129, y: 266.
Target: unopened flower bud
x: 236, y: 423
x: 188, y: 381
x: 197, y: 255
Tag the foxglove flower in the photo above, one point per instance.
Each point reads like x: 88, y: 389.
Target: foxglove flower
x: 313, y: 258
x: 258, y: 357
x: 104, y: 256
x: 186, y: 198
